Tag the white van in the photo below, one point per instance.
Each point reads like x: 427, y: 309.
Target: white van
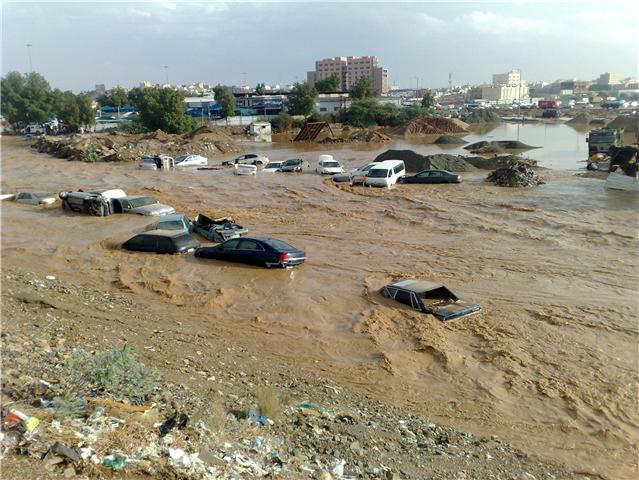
x: 385, y: 174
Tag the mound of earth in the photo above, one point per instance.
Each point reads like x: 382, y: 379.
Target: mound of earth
x: 491, y: 163
x: 581, y: 119
x: 630, y: 123
x: 515, y: 174
x: 483, y: 116
x: 497, y: 146
x: 431, y: 126
x: 416, y: 162
x: 369, y: 136
x: 332, y: 140
x: 449, y: 140
x: 115, y: 146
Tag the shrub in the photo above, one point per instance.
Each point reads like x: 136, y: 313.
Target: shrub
x: 282, y: 123
x: 90, y: 155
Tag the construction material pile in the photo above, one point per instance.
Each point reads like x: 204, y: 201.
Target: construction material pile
x: 581, y: 119
x: 498, y: 161
x: 515, y: 174
x: 431, y: 126
x: 415, y: 162
x: 483, y: 116
x: 497, y: 146
x: 630, y: 123
x: 115, y: 146
x: 449, y: 140
x: 365, y: 136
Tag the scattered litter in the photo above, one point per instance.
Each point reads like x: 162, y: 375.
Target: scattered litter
x: 174, y: 421
x: 515, y: 174
x: 115, y: 462
x: 62, y: 450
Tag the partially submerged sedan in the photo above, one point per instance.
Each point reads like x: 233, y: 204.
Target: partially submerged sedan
x: 191, y: 161
x: 432, y: 176
x: 429, y: 297
x: 142, y: 205
x: 267, y: 252
x: 35, y: 198
x: 162, y: 241
x: 247, y: 159
x: 179, y: 223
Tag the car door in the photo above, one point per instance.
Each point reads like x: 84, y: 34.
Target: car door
x: 164, y: 245
x: 436, y: 177
x: 252, y: 252
x: 228, y: 251
x: 136, y: 243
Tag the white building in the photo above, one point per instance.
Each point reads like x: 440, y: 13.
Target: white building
x: 506, y: 88
x: 331, y: 103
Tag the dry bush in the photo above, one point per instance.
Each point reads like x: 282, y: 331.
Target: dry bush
x: 268, y: 402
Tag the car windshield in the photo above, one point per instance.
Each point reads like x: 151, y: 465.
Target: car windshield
x: 330, y: 164
x: 148, y: 160
x: 141, y: 201
x: 183, y: 240
x: 279, y: 245
x: 171, y: 225
x: 181, y: 159
x: 43, y: 195
x: 377, y: 173
x: 274, y: 165
x: 291, y: 162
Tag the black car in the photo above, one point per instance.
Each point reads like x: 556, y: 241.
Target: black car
x: 268, y: 252
x: 162, y: 241
x: 432, y: 176
x: 294, y: 165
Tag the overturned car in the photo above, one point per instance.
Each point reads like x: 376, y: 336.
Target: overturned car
x: 98, y: 203
x: 218, y: 230
x: 429, y: 297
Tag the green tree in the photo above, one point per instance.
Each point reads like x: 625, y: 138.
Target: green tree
x: 25, y: 98
x: 225, y: 97
x: 329, y: 84
x: 428, y: 100
x: 260, y: 88
x: 362, y: 89
x: 116, y: 97
x: 301, y: 99
x: 164, y: 109
x: 135, y: 96
x: 86, y: 112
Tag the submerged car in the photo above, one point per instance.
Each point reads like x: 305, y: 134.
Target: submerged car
x: 142, y: 205
x: 179, y: 223
x: 162, y: 241
x: 294, y: 165
x: 191, y: 161
x: 156, y: 162
x: 244, y: 169
x: 247, y: 159
x: 97, y: 202
x: 219, y: 229
x: 357, y: 175
x: 273, y: 167
x: 432, y: 176
x: 35, y: 198
x: 328, y: 165
x: 268, y: 252
x: 429, y: 297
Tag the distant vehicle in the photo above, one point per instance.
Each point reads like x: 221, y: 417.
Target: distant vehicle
x: 328, y: 165
x: 33, y: 129
x: 294, y: 165
x: 155, y: 162
x: 268, y: 252
x: 547, y: 104
x: 273, y: 167
x: 178, y: 222
x: 429, y: 297
x: 191, y: 161
x: 35, y: 198
x: 141, y: 205
x: 244, y: 169
x: 432, y: 176
x: 217, y: 230
x: 613, y: 103
x: 385, y: 174
x: 247, y: 159
x: 550, y: 113
x: 162, y: 241
x: 600, y: 140
x: 358, y: 174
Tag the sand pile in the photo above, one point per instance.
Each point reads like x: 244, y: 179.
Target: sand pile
x: 431, y: 126
x: 581, y: 119
x: 449, y: 140
x: 483, y: 116
x: 491, y: 163
x: 497, y: 146
x: 515, y: 174
x: 369, y: 136
x: 630, y: 123
x: 115, y: 146
x: 416, y: 162
x: 332, y: 140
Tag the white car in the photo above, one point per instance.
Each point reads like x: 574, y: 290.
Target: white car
x: 248, y: 159
x: 35, y: 198
x: 243, y: 169
x: 357, y: 174
x: 191, y: 161
x: 155, y: 162
x: 273, y: 167
x: 328, y: 165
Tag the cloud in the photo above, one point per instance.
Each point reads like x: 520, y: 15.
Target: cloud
x: 513, y: 27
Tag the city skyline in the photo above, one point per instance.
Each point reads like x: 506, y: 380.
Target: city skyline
x: 123, y: 43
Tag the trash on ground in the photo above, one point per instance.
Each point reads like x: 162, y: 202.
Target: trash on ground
x: 515, y: 174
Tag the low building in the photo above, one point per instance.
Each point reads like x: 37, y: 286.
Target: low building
x: 250, y: 104
x: 332, y: 103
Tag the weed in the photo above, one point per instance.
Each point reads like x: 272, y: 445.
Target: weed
x: 90, y: 155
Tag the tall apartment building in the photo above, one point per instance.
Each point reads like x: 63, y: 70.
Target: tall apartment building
x: 506, y: 88
x: 509, y: 78
x: 608, y: 79
x: 350, y: 70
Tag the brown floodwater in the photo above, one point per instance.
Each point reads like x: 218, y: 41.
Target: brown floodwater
x: 550, y: 363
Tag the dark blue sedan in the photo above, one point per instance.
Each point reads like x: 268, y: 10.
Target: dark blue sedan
x: 268, y: 252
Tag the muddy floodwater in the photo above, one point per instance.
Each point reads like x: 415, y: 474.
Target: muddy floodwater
x: 549, y: 364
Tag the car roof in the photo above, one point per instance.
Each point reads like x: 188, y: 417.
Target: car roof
x: 171, y: 218
x: 417, y: 286
x: 129, y: 197
x: 386, y: 163
x: 163, y: 233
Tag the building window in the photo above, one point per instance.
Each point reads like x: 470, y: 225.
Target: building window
x: 322, y: 109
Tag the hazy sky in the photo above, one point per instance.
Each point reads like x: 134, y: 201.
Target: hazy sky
x: 78, y: 44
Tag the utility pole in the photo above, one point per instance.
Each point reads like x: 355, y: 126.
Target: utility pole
x: 417, y: 86
x: 28, y: 45
x: 166, y: 73
x: 450, y: 81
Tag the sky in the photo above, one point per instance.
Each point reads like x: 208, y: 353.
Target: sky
x: 77, y: 45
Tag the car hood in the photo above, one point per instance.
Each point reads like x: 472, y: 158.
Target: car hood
x: 154, y: 209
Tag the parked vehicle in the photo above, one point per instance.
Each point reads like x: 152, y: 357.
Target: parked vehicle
x: 429, y: 297
x: 191, y: 161
x: 35, y: 198
x: 273, y: 167
x: 550, y: 113
x: 243, y: 169
x: 141, y: 205
x: 162, y: 241
x: 217, y: 230
x: 156, y: 162
x: 432, y: 176
x: 294, y: 165
x: 98, y: 202
x: 247, y: 159
x: 268, y: 252
x: 358, y: 174
x: 547, y: 104
x: 385, y: 174
x: 602, y: 139
x: 33, y: 129
x: 178, y: 222
x: 7, y: 196
x: 328, y: 165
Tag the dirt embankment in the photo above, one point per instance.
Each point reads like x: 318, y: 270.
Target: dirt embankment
x: 497, y: 146
x: 116, y: 146
x: 431, y: 126
x: 483, y: 116
x: 630, y: 123
x: 363, y: 136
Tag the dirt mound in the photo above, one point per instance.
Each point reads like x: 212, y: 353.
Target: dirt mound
x: 332, y: 140
x: 369, y: 136
x: 157, y: 135
x: 483, y: 116
x: 581, y: 119
x: 416, y: 162
x: 449, y: 140
x: 498, y: 161
x: 497, y: 146
x: 630, y: 123
x: 430, y: 126
x: 515, y: 174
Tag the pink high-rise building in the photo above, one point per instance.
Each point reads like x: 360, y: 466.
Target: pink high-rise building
x: 350, y: 70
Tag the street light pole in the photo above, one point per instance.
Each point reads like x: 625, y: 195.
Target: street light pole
x: 166, y: 73
x: 28, y: 45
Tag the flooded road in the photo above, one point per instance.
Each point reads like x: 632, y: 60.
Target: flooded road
x: 550, y: 363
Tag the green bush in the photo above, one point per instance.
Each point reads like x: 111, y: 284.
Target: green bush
x: 134, y: 126
x: 282, y: 123
x: 115, y: 371
x: 90, y: 155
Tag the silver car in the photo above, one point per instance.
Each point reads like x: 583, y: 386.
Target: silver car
x: 35, y: 198
x: 142, y: 205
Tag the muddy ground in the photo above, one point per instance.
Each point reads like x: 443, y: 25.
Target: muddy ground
x: 549, y: 365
